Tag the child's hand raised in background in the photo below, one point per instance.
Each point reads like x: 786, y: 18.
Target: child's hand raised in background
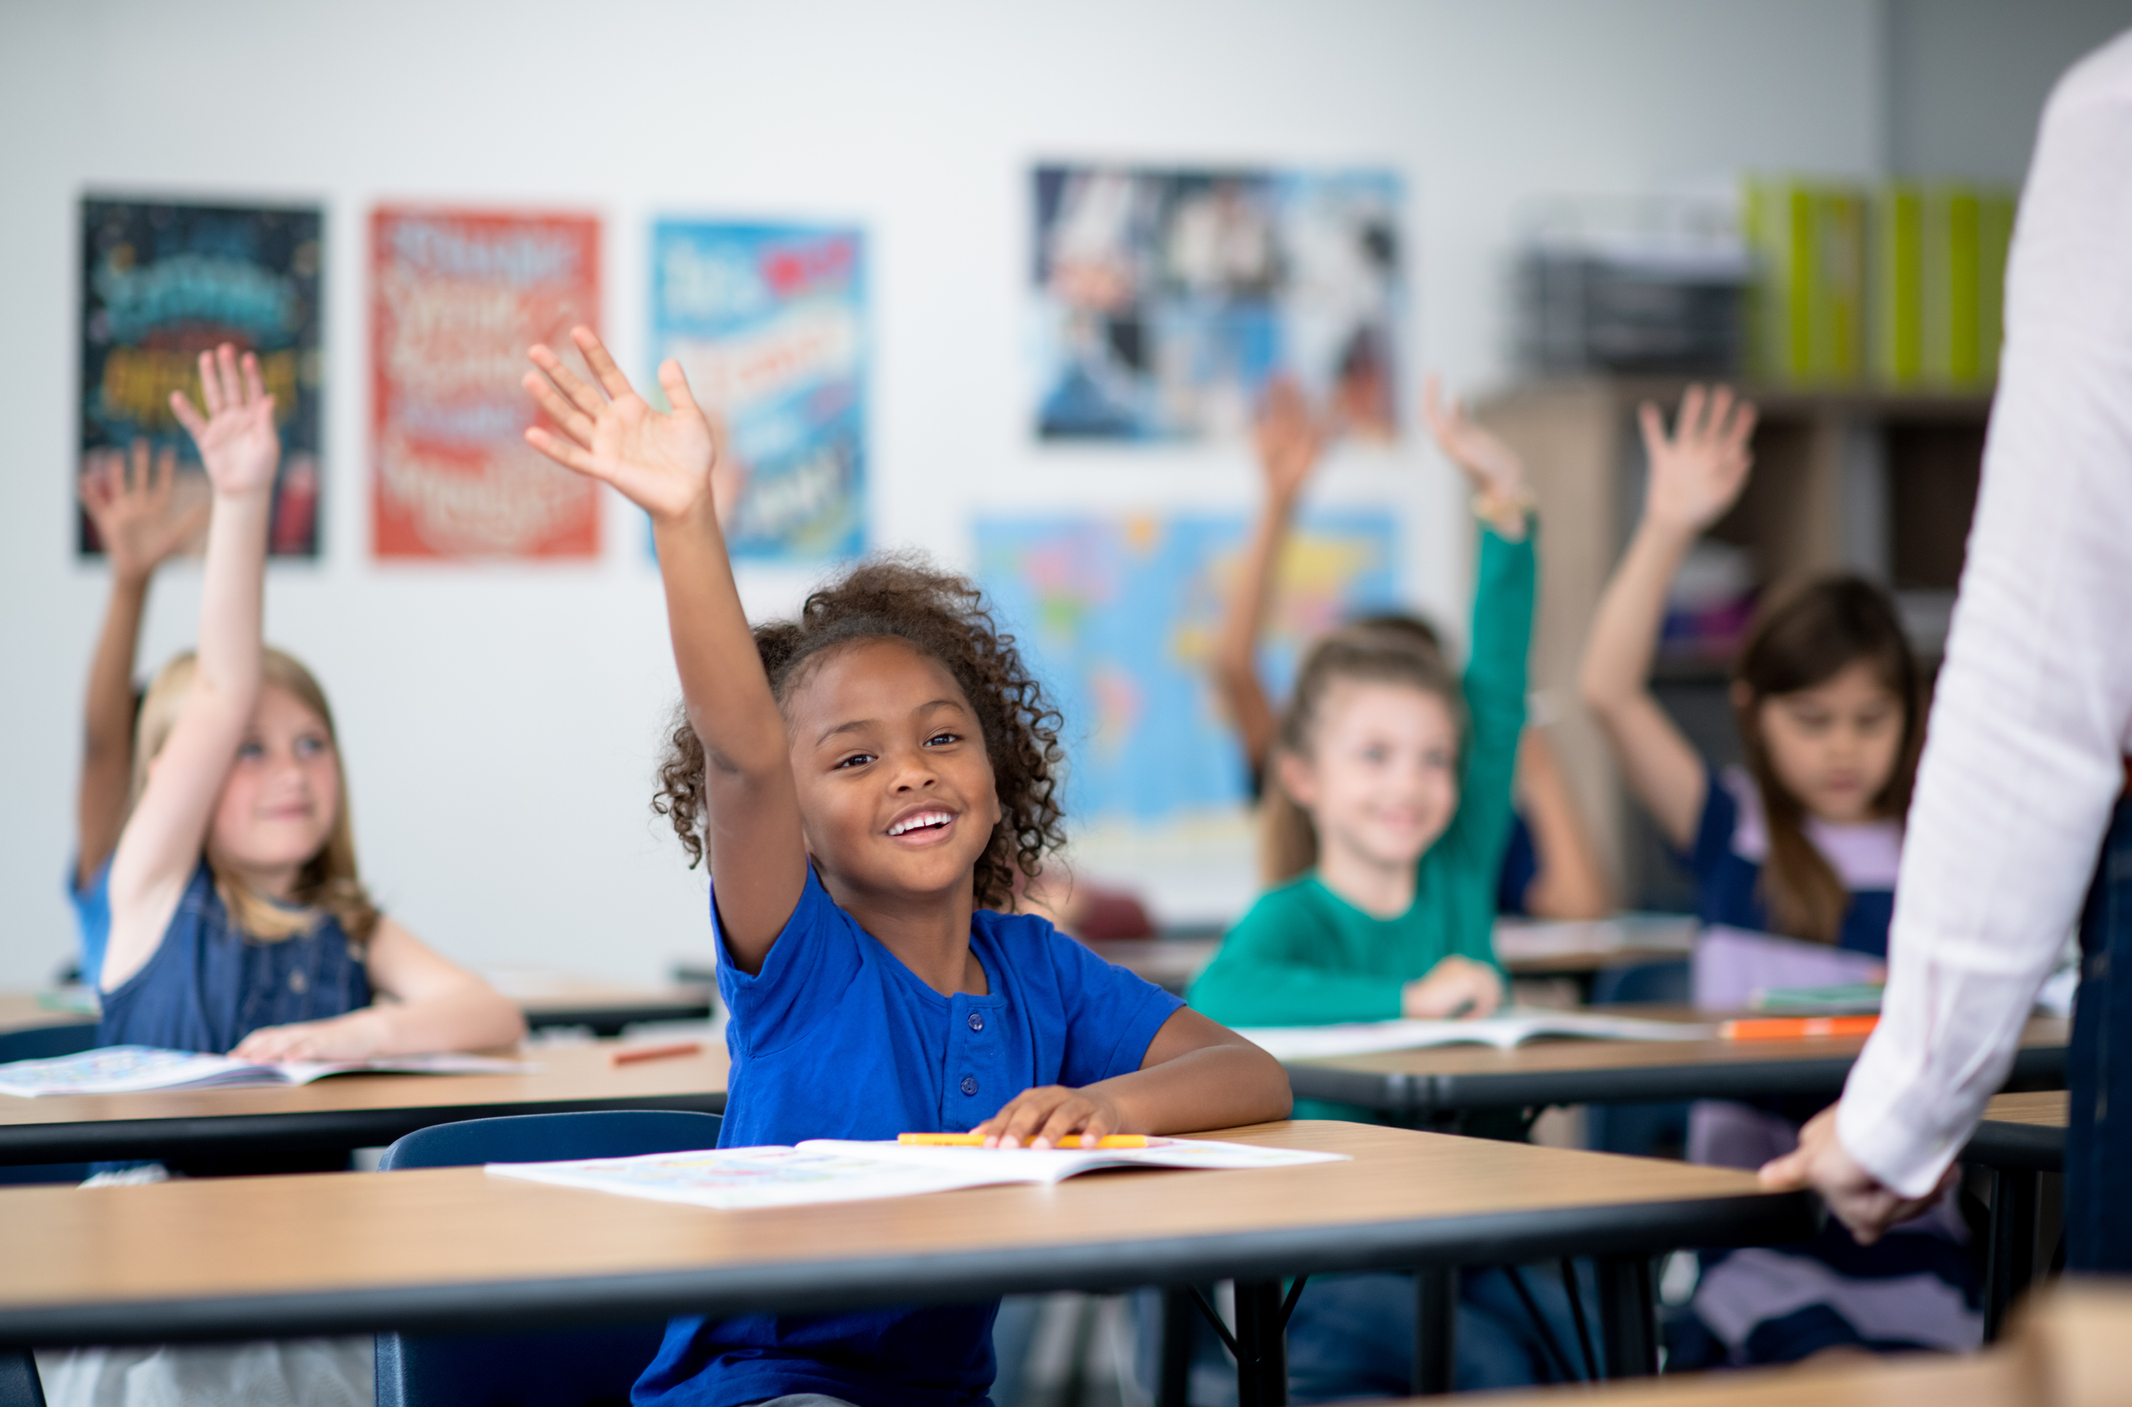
x: 134, y: 512
x: 236, y: 438
x: 1456, y: 986
x: 1697, y: 473
x: 660, y: 462
x: 1494, y: 469
x: 1288, y: 439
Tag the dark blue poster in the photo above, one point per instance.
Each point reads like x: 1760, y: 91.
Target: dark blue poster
x: 162, y: 282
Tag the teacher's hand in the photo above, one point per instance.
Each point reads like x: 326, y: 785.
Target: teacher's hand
x: 1858, y: 1199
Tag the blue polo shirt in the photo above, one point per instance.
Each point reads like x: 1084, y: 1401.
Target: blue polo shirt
x: 836, y: 1038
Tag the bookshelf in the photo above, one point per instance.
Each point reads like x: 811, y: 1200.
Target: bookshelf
x: 1845, y: 479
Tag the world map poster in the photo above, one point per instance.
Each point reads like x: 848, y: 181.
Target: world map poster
x: 1118, y: 617
x: 769, y: 324
x: 456, y: 298
x: 163, y: 282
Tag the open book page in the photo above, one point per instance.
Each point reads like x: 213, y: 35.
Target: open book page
x: 833, y: 1170
x: 1507, y: 1029
x: 132, y: 1069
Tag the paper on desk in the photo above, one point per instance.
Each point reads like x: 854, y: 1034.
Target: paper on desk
x: 133, y: 1069
x: 837, y: 1170
x: 1511, y: 1027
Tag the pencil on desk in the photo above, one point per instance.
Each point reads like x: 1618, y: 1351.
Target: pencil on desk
x: 977, y: 1140
x: 630, y: 1055
x: 1778, y: 1028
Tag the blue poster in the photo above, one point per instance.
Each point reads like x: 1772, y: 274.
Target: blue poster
x: 161, y: 283
x: 1118, y: 618
x: 769, y: 323
x: 1165, y: 300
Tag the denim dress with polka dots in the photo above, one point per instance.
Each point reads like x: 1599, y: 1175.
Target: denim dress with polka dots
x: 209, y: 986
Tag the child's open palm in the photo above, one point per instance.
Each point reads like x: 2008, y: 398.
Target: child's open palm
x: 1288, y: 438
x: 1697, y: 473
x: 660, y: 462
x: 236, y: 438
x: 134, y: 511
x: 1492, y: 466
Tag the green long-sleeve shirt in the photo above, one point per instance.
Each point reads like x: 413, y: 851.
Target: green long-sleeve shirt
x: 1303, y: 955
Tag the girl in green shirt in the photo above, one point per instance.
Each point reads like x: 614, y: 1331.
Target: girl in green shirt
x: 1400, y: 777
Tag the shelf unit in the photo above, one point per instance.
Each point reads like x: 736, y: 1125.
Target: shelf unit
x: 1844, y: 480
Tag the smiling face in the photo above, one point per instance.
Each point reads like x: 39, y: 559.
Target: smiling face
x: 283, y: 792
x: 1381, y: 780
x: 896, y: 794
x: 1834, y: 746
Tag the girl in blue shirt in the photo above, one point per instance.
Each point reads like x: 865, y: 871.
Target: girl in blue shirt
x: 865, y: 782
x: 1804, y: 842
x: 237, y: 921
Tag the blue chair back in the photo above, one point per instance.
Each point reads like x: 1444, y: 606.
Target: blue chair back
x: 568, y: 1368
x: 44, y: 1043
x: 47, y: 1042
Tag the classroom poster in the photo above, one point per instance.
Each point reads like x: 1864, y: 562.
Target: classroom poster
x: 769, y: 323
x: 1166, y: 299
x: 456, y: 298
x: 1119, y: 616
x: 163, y: 281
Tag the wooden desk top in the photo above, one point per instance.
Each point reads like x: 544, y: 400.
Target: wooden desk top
x: 21, y: 1011
x: 2021, y: 1133
x: 454, y: 1248
x: 347, y: 1111
x: 1447, y: 1078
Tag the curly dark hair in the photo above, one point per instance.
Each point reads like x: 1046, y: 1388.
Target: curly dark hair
x: 945, y: 617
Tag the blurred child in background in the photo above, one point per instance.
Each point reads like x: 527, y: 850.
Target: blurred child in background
x: 1549, y: 868
x: 140, y: 525
x: 1804, y: 842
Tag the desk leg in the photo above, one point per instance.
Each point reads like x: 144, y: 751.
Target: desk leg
x: 2010, y: 1259
x: 1435, y: 1330
x: 1180, y: 1321
x: 1261, y: 1345
x: 1628, y: 1316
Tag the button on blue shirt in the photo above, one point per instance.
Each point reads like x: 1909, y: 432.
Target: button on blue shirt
x: 836, y: 1038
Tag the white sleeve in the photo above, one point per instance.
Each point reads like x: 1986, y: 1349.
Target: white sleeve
x: 2023, y: 761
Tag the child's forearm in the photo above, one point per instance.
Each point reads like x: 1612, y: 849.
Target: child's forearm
x: 473, y: 1016
x: 722, y: 679
x: 232, y: 600
x: 1625, y: 628
x: 107, y: 731
x: 1236, y: 653
x: 1214, y: 1087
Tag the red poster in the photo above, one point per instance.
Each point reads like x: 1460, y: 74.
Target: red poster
x: 456, y: 298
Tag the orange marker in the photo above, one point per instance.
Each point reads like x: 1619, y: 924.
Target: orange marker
x: 1780, y: 1028
x: 630, y: 1055
x: 977, y: 1140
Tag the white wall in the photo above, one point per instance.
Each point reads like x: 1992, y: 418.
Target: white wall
x: 500, y: 723
x: 1967, y: 79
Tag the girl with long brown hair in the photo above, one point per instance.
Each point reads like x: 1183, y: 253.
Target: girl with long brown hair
x: 1804, y: 842
x: 238, y: 922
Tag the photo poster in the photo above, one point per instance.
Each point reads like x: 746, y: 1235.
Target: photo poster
x: 1166, y: 299
x: 1118, y: 617
x: 162, y: 282
x: 457, y: 296
x: 768, y: 323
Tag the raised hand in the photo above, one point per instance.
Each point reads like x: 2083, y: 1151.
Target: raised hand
x: 134, y: 512
x: 1288, y: 438
x: 1697, y: 473
x: 1493, y: 467
x: 236, y: 438
x: 661, y: 463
